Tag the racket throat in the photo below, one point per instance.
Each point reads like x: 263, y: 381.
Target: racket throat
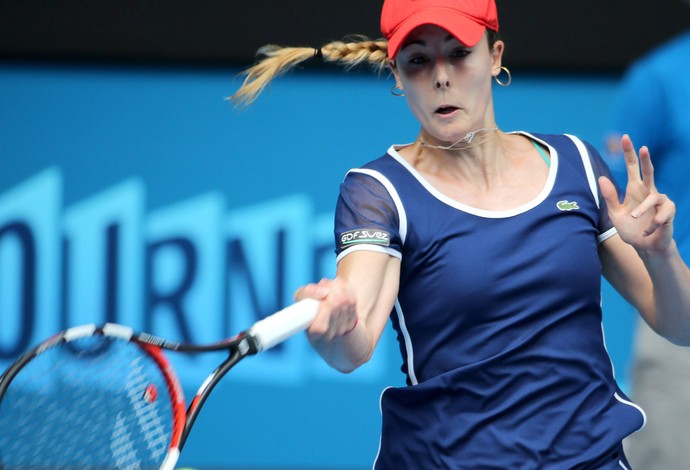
x: 248, y: 345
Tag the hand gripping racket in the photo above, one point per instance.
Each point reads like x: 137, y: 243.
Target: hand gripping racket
x: 106, y: 397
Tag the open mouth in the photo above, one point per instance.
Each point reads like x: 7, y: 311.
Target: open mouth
x: 446, y: 109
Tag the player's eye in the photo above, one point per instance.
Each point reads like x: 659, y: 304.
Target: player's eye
x: 418, y: 59
x: 460, y: 53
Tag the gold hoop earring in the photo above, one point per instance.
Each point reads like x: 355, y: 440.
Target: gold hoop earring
x: 510, y: 77
x: 397, y: 91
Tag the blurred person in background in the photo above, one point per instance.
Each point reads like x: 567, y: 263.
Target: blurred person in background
x: 653, y: 107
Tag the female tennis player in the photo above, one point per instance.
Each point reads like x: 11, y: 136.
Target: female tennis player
x: 485, y: 249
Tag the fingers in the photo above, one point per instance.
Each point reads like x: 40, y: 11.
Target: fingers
x: 650, y: 202
x: 314, y: 291
x: 641, y: 185
x: 337, y: 313
x: 631, y: 160
x: 647, y: 168
x: 645, y: 218
x: 608, y: 191
x: 639, y: 168
x: 662, y: 208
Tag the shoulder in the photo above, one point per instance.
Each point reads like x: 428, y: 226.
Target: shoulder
x: 577, y: 153
x: 386, y: 162
x: 556, y: 140
x: 390, y: 170
x: 673, y: 50
x: 663, y: 61
x: 373, y: 179
x: 565, y: 144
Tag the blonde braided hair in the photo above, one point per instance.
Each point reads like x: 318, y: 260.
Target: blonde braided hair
x: 277, y: 60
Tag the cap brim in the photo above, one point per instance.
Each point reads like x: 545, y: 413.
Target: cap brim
x: 464, y: 29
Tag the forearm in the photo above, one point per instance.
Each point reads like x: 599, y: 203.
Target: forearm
x: 345, y: 353
x: 353, y: 315
x: 671, y: 293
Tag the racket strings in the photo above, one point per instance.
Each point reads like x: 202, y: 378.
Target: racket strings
x: 141, y: 394
x: 93, y: 408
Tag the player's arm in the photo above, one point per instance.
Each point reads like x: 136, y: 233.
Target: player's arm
x: 658, y: 287
x: 642, y: 262
x: 354, y: 308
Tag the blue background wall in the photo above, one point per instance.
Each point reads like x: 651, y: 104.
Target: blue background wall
x: 114, y: 168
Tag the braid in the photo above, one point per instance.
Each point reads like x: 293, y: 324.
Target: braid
x: 358, y: 50
x: 279, y: 60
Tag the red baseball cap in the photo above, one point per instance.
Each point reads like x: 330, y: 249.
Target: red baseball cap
x: 466, y: 20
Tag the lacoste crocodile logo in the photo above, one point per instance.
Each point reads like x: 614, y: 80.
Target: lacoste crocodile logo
x: 567, y: 205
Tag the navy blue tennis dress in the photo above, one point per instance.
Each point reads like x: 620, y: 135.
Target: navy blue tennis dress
x: 498, y: 318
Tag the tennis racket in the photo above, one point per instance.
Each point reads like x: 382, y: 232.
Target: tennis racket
x: 106, y: 397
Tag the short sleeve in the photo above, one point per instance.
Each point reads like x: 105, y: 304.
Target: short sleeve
x: 600, y: 168
x: 366, y: 217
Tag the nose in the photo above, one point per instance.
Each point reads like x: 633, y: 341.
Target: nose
x: 441, y: 77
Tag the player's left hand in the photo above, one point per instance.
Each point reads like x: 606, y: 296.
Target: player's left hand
x: 645, y: 218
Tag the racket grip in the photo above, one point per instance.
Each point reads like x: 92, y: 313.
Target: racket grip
x: 278, y: 327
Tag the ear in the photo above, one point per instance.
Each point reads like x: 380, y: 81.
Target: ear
x: 497, y: 57
x: 394, y: 71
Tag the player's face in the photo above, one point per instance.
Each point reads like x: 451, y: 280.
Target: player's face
x: 447, y: 84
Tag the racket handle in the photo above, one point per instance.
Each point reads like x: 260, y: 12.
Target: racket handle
x: 278, y: 327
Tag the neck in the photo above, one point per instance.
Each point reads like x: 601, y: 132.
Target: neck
x: 471, y: 139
